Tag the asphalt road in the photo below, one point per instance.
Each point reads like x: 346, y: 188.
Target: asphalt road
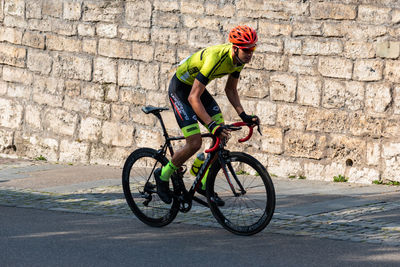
x: 31, y: 237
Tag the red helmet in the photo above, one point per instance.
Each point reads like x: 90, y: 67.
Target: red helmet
x: 243, y: 35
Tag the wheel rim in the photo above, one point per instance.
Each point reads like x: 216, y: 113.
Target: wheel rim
x: 143, y: 190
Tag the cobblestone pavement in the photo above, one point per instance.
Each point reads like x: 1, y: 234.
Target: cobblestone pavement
x: 366, y: 222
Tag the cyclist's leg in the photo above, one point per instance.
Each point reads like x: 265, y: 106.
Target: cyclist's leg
x: 187, y: 121
x: 214, y: 111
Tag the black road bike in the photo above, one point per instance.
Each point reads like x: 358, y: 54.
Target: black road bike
x: 238, y: 178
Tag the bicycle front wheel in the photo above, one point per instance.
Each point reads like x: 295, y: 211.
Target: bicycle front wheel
x: 140, y: 188
x: 247, y: 190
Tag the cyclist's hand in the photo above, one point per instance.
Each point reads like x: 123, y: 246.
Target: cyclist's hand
x: 218, y: 130
x: 253, y: 119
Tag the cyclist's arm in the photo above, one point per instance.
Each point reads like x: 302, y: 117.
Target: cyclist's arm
x: 232, y: 93
x: 194, y: 99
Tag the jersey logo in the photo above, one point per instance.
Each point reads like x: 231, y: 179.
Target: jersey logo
x: 193, y: 70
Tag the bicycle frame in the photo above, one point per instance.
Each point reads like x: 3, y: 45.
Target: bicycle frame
x: 215, y: 152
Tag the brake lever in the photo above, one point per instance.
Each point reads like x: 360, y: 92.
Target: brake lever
x: 259, y: 129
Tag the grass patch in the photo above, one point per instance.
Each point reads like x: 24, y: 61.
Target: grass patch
x: 40, y: 158
x: 387, y: 182
x: 340, y: 179
x: 242, y: 172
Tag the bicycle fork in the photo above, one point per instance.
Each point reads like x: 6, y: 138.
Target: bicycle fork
x: 224, y: 164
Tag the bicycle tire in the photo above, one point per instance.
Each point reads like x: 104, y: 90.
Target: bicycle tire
x: 247, y: 213
x: 141, y: 195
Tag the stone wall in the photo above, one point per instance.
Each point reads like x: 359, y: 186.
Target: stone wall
x: 325, y: 79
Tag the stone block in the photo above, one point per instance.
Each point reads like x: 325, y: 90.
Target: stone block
x: 361, y: 32
x: 114, y: 48
x: 86, y: 29
x: 314, y: 171
x: 108, y: 11
x: 106, y: 155
x: 47, y: 99
x: 10, y: 113
x: 117, y: 134
x: 89, y: 46
x: 127, y: 73
x: 275, y: 62
x: 334, y: 29
x: 138, y: 34
x: 10, y: 35
x: 148, y: 76
x: 60, y: 122
x: 72, y: 88
x: 33, y: 9
x: 373, y: 14
x: 283, y: 167
x: 293, y: 46
x: 272, y: 141
x: 335, y: 67
x: 170, y: 5
x: 3, y: 88
x: 363, y: 175
x: 254, y: 84
x: 73, y: 67
x: 343, y: 94
x: 312, y: 47
x: 395, y: 16
x: 93, y: 91
x: 77, y: 104
x: 100, y: 110
x: 326, y: 121
x: 33, y: 39
x: 361, y: 124
x: 396, y: 100
x: 391, y: 128
x: 74, y: 151
x: 164, y: 53
x: 138, y: 13
x: 291, y: 117
x: 341, y: 148
x: 392, y: 70
x: 199, y: 38
x: 368, y: 70
x: 106, y: 30
x: 271, y: 45
x: 51, y: 85
x: 72, y: 10
x: 303, y: 65
x: 378, y: 97
x: 90, y: 129
x: 222, y: 9
x: 283, y: 87
x: 14, y: 8
x: 40, y: 62
x: 322, y: 10
x: 266, y: 111
x: 192, y: 7
x: 309, y: 90
x: 167, y: 19
x: 133, y: 96
x: 373, y: 153
x: 61, y: 43
x: 307, y: 29
x: 120, y: 113
x: 32, y: 146
x: 18, y: 91
x: 11, y: 55
x: 305, y: 145
x: 52, y: 8
x: 274, y: 29
x: 13, y: 21
x: 388, y: 49
x: 359, y: 49
x: 140, y: 118
x: 143, y: 52
x: 105, y: 70
x: 17, y: 75
x: 146, y: 137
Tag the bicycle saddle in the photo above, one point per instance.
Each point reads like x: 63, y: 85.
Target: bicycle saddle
x: 151, y: 109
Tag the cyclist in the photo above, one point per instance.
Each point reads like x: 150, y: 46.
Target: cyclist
x: 192, y: 102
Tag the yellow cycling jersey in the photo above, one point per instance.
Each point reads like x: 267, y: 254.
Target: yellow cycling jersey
x: 207, y: 64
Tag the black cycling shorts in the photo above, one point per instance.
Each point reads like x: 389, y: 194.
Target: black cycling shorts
x: 178, y: 93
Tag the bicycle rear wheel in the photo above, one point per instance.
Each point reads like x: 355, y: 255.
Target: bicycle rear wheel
x: 250, y: 205
x: 140, y: 188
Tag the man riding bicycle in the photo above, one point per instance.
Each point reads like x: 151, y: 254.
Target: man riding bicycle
x: 192, y: 102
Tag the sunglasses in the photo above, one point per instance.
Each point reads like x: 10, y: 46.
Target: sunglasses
x: 246, y: 49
